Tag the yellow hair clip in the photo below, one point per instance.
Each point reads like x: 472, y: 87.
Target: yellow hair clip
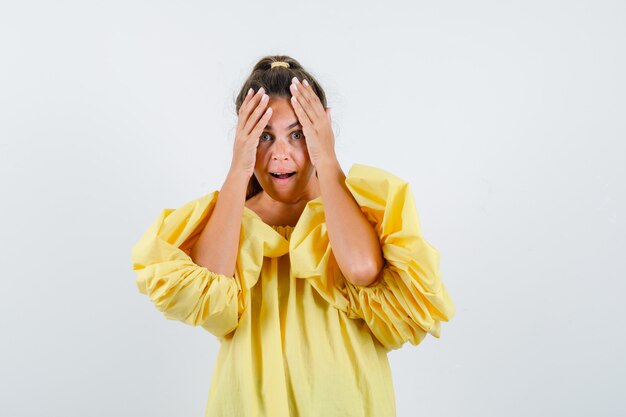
x: 280, y: 64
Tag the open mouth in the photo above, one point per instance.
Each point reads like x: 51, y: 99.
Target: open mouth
x: 287, y: 175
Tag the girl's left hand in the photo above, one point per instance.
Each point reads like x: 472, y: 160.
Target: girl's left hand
x: 315, y: 121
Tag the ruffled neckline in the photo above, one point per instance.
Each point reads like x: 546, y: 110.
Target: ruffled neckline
x: 284, y: 230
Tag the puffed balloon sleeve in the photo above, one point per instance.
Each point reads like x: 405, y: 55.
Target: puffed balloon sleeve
x: 408, y: 298
x: 188, y: 292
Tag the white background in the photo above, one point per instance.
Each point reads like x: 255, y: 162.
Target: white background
x: 507, y: 118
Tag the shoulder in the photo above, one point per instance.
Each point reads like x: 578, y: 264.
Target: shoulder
x: 368, y: 176
x: 358, y: 170
x: 253, y: 202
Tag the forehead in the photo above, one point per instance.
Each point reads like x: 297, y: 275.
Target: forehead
x: 283, y: 114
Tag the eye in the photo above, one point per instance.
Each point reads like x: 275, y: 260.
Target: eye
x: 264, y: 134
x: 299, y: 134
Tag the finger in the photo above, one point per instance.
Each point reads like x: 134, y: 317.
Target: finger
x: 304, y: 119
x: 310, y: 101
x: 298, y: 90
x: 252, y: 102
x: 248, y: 96
x: 242, y: 116
x: 256, y: 114
x: 302, y: 101
x: 263, y: 121
x: 248, y: 105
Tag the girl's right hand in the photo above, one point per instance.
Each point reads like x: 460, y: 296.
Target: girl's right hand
x: 252, y: 119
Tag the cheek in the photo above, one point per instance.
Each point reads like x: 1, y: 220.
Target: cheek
x: 303, y: 151
x: 260, y: 163
x: 260, y: 155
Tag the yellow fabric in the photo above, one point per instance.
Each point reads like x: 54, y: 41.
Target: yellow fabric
x: 297, y: 338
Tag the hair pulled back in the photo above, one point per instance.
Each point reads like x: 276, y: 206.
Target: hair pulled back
x: 275, y: 81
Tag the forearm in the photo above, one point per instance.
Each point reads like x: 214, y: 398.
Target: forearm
x: 354, y: 241
x: 217, y: 247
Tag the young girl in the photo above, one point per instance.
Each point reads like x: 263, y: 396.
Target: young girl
x: 307, y: 277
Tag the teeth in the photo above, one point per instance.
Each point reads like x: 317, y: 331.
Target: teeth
x: 282, y: 175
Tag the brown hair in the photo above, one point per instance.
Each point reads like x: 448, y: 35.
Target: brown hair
x: 275, y: 81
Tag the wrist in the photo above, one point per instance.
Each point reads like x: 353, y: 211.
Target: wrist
x: 237, y: 177
x: 329, y: 164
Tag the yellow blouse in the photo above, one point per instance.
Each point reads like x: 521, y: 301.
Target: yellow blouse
x: 296, y: 338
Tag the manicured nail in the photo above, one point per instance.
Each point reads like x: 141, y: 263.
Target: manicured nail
x: 295, y: 80
x: 305, y: 82
x: 261, y: 90
x: 250, y: 91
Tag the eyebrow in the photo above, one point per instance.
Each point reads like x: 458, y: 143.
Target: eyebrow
x: 294, y: 124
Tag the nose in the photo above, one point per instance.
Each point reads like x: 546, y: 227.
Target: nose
x: 279, y: 150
